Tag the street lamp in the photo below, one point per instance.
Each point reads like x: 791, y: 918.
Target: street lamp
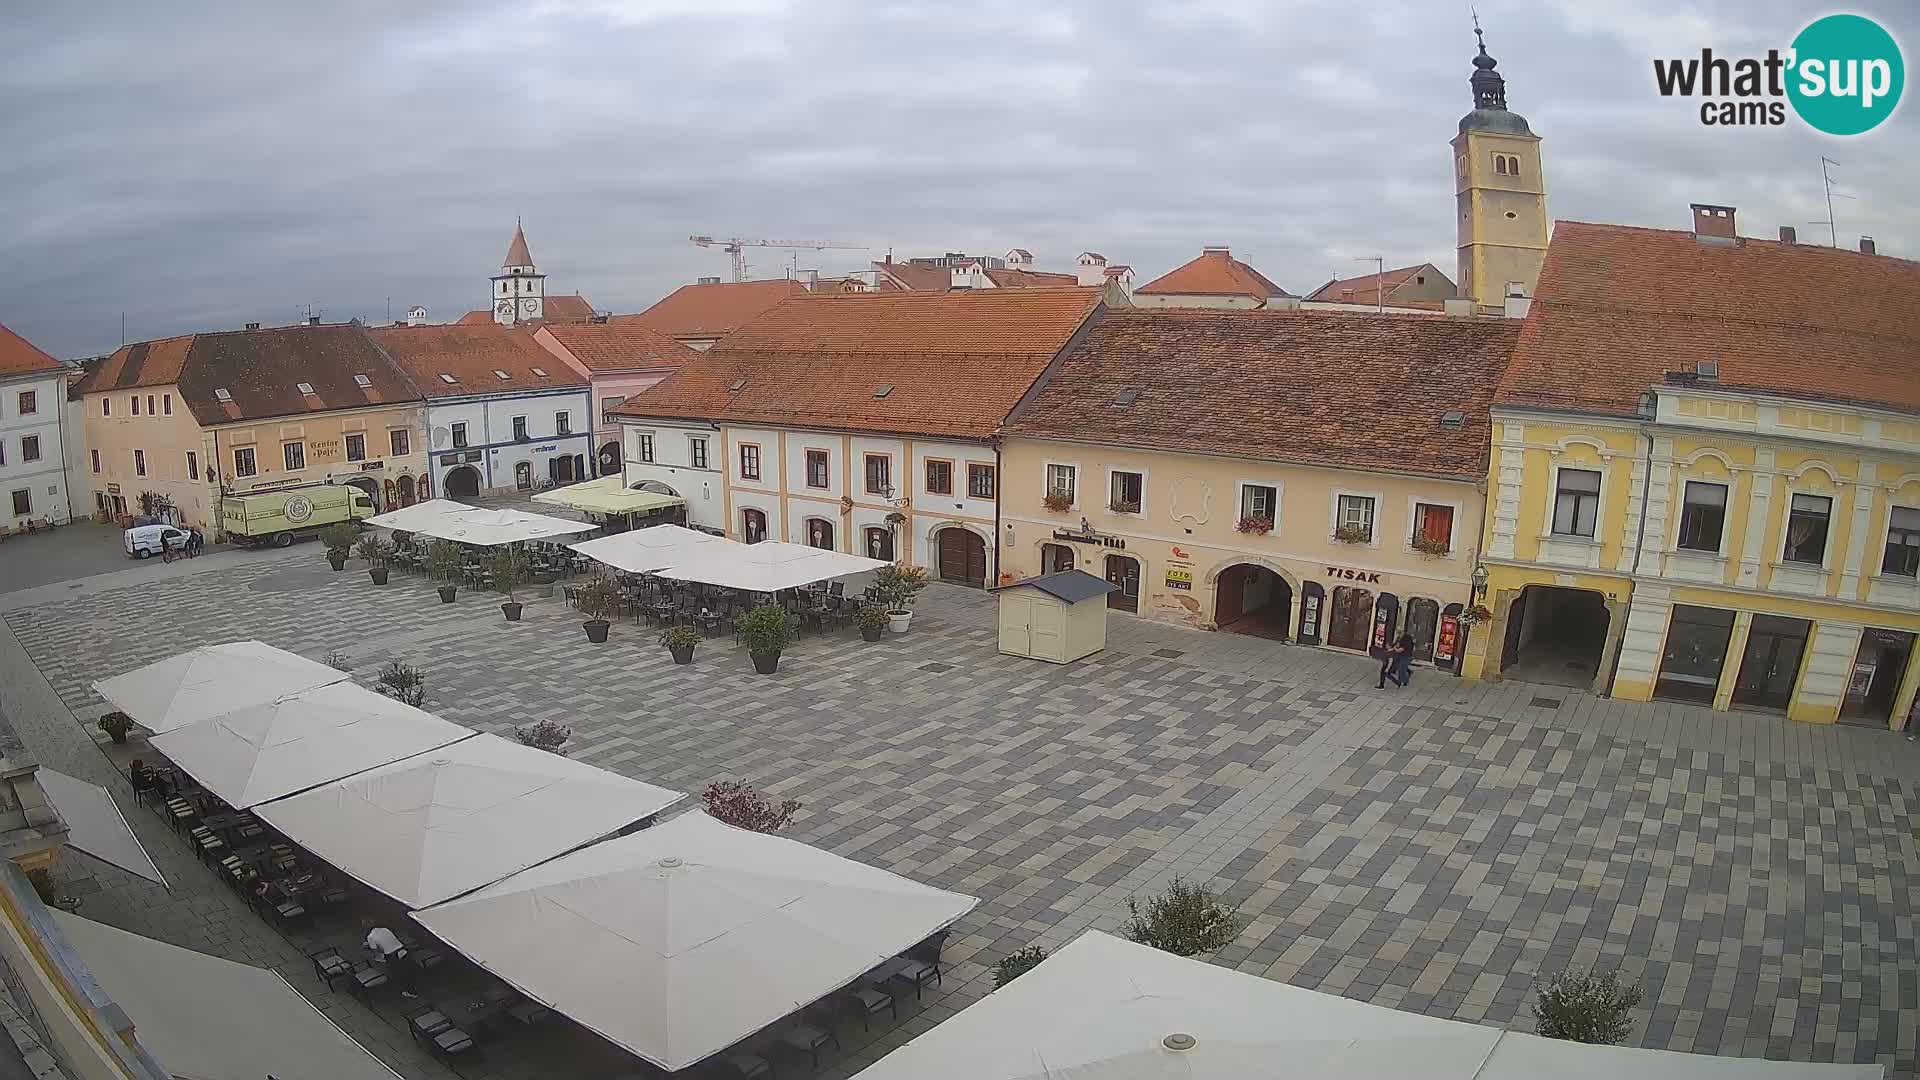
x: 1479, y: 581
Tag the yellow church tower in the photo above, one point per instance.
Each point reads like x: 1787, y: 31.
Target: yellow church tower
x: 1500, y: 193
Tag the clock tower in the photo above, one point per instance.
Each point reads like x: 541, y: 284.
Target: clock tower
x: 1500, y: 195
x: 519, y: 290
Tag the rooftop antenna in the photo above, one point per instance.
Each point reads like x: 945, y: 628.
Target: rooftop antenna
x: 1379, y: 279
x: 312, y: 312
x: 1826, y: 182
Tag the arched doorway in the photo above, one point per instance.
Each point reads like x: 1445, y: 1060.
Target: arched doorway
x: 1124, y: 572
x: 1555, y: 635
x: 609, y: 457
x: 1056, y: 559
x: 879, y: 543
x: 1350, y: 618
x: 463, y: 482
x: 368, y: 485
x: 391, y: 493
x: 1250, y: 599
x: 820, y: 534
x: 962, y: 556
x: 1423, y: 625
x: 406, y: 490
x: 523, y: 475
x: 753, y: 525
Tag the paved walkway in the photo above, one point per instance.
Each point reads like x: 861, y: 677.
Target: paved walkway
x: 1433, y: 849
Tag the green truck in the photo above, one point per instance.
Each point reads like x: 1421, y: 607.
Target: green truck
x: 281, y: 517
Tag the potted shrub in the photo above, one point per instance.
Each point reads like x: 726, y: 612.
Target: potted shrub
x: 116, y: 724
x: 548, y: 735
x: 738, y: 804
x: 1017, y: 964
x: 899, y: 584
x: 1353, y: 534
x: 1587, y: 1007
x: 1255, y: 524
x: 407, y: 685
x: 1057, y: 501
x: 1431, y: 547
x: 376, y: 551
x: 443, y: 561
x: 339, y: 539
x: 872, y: 620
x: 595, y: 599
x: 680, y: 641
x: 766, y: 633
x: 1184, y: 920
x: 508, y: 568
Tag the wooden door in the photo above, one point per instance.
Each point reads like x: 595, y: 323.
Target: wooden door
x: 963, y: 558
x: 1229, y: 596
x: 1350, y: 624
x: 1016, y: 623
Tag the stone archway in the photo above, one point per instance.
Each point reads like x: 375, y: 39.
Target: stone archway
x: 1252, y: 599
x: 462, y: 482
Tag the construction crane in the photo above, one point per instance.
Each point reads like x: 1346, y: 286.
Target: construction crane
x: 737, y: 247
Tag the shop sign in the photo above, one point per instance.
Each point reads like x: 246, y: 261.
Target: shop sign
x: 1070, y: 537
x: 372, y: 466
x: 113, y: 489
x: 324, y: 449
x: 1310, y: 616
x: 1382, y: 625
x: 1179, y: 579
x: 450, y: 459
x: 1449, y: 639
x: 1369, y: 577
x: 547, y: 449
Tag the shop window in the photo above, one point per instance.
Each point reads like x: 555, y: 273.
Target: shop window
x: 879, y: 475
x: 820, y: 533
x: 1127, y: 492
x: 939, y: 476
x: 1903, y: 543
x: 980, y: 483
x: 879, y: 543
x: 1703, y: 516
x: 1576, y: 503
x: 749, y: 461
x: 1807, y: 521
x: 817, y: 469
x: 243, y: 463
x: 1259, y: 501
x: 356, y: 447
x: 1433, y: 527
x: 1697, y: 639
x: 753, y: 525
x: 1355, y: 517
x: 1061, y: 482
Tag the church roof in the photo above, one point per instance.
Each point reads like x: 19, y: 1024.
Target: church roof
x: 1215, y: 272
x: 517, y: 253
x: 1490, y: 97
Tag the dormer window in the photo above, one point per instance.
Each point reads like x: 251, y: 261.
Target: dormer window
x: 448, y: 379
x: 362, y: 382
x: 539, y: 372
x: 501, y: 375
x: 304, y: 388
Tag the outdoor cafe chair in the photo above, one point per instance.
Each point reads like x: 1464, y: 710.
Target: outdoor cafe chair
x: 747, y: 1066
x: 809, y: 1039
x: 330, y: 964
x: 429, y: 1025
x: 918, y: 972
x: 868, y: 1001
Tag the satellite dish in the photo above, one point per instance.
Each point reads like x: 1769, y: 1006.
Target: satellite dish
x: 441, y: 436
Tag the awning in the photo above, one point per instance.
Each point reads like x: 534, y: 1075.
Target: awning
x: 466, y: 815
x: 211, y: 680
x: 680, y: 940
x: 642, y: 551
x: 766, y: 567
x: 488, y: 528
x: 411, y: 518
x: 607, y: 495
x: 95, y: 824
x: 1101, y: 1006
x: 212, y: 1019
x: 263, y: 752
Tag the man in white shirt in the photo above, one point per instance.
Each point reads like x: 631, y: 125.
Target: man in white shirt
x: 391, y: 954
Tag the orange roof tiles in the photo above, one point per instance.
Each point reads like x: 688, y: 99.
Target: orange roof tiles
x: 621, y: 346
x: 1215, y: 272
x: 1360, y: 389
x: 557, y: 309
x: 715, y: 310
x: 473, y: 355
x: 957, y: 362
x: 1617, y: 307
x: 260, y: 370
x: 1365, y: 289
x: 18, y: 356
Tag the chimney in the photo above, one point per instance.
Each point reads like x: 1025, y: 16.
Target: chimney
x: 1518, y: 303
x: 253, y: 326
x: 706, y: 281
x: 1093, y: 268
x: 1788, y: 236
x: 1866, y: 245
x: 1713, y: 224
x: 1458, y: 305
x: 1220, y: 249
x: 313, y: 320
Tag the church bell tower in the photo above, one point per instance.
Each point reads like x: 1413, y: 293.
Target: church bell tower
x: 519, y: 290
x: 1500, y: 195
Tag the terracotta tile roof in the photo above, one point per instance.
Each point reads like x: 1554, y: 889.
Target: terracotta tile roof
x: 1365, y: 289
x: 918, y: 278
x: 1355, y: 389
x: 1028, y: 279
x: 1215, y: 272
x: 517, y: 254
x: 1618, y: 307
x: 713, y: 311
x: 18, y: 356
x: 474, y: 318
x: 956, y: 362
x: 143, y: 363
x: 621, y: 346
x: 473, y: 355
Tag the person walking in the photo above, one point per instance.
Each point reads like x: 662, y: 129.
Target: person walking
x: 194, y: 543
x: 1402, y: 661
x: 166, y: 547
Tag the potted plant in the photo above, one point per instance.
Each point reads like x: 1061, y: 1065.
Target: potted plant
x: 116, y: 724
x: 1184, y: 920
x: 548, y: 735
x: 339, y: 540
x: 1353, y: 534
x: 1255, y: 524
x: 766, y: 633
x: 898, y: 585
x: 1431, y: 547
x: 1017, y: 964
x: 595, y: 599
x: 508, y: 568
x: 443, y: 561
x: 376, y: 551
x: 742, y: 806
x: 1057, y: 501
x: 872, y: 619
x: 403, y: 683
x: 680, y: 641
x: 1586, y: 1006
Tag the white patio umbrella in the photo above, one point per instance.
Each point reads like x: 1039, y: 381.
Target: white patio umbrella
x: 766, y: 567
x: 411, y: 518
x: 96, y: 826
x: 642, y: 551
x: 678, y: 941
x: 262, y: 752
x: 453, y: 819
x: 210, y: 680
x: 490, y: 528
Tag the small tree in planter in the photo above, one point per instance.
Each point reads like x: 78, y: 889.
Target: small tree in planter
x: 1254, y: 524
x: 376, y: 551
x: 767, y: 633
x: 508, y: 569
x: 899, y: 584
x: 740, y: 805
x: 407, y: 685
x: 1586, y: 1006
x: 680, y: 641
x: 548, y: 735
x: 339, y: 539
x: 1184, y: 920
x: 443, y: 561
x: 1057, y: 501
x: 1017, y: 964
x: 595, y: 599
x: 873, y: 621
x: 116, y: 724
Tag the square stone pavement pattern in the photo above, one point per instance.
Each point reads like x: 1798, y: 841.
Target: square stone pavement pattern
x: 1433, y: 851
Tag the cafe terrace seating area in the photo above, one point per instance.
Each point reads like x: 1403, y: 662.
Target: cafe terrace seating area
x: 539, y: 898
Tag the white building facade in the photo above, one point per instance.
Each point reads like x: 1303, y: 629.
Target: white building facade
x: 33, y: 455
x: 522, y: 440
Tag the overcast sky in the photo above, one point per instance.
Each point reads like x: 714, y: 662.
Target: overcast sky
x: 197, y: 166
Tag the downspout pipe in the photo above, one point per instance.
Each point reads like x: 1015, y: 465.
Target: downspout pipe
x: 1639, y: 545
x: 999, y: 488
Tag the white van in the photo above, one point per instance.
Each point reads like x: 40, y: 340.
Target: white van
x: 143, y: 541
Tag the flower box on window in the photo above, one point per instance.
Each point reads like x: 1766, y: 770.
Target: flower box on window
x: 1353, y: 534
x: 1253, y: 523
x: 1121, y: 506
x: 1427, y: 545
x: 1057, y: 501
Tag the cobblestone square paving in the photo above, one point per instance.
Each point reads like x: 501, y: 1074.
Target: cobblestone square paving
x: 1433, y: 851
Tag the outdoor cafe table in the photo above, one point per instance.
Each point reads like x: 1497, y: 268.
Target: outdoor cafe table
x: 471, y: 1009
